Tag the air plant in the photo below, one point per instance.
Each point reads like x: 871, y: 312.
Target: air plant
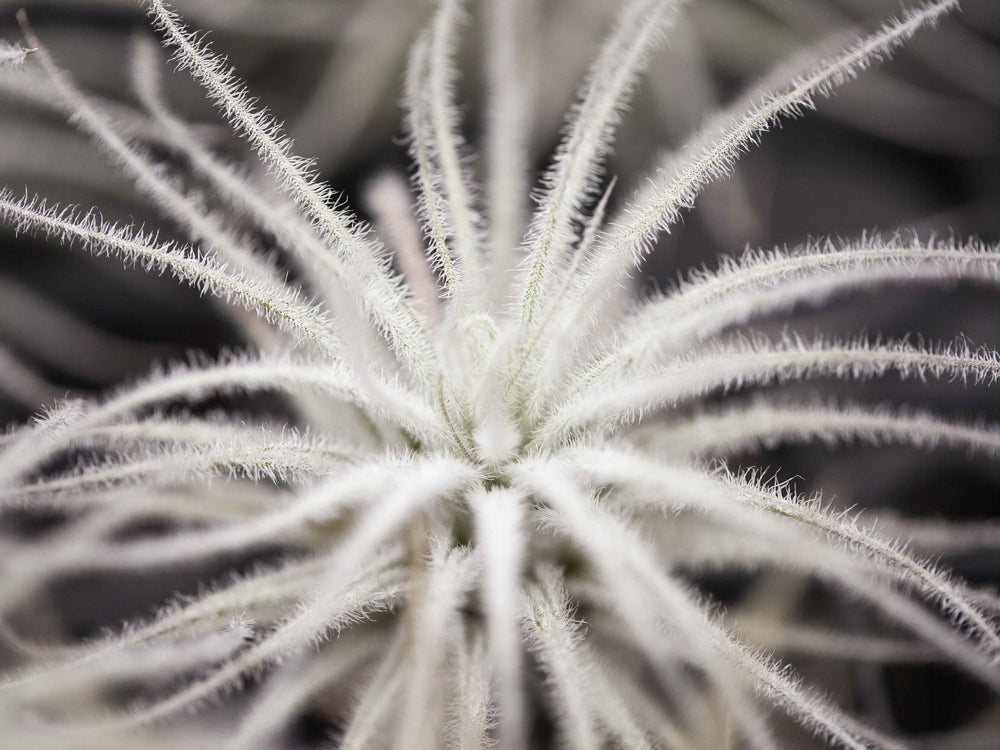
x: 478, y: 519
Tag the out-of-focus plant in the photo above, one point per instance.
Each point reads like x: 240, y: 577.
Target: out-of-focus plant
x: 478, y: 512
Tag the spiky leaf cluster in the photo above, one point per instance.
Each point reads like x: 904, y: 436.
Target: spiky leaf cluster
x: 499, y: 473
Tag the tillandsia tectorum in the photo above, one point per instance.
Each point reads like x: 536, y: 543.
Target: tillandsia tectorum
x: 478, y: 521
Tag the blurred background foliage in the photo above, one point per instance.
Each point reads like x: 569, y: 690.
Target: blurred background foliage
x: 915, y: 143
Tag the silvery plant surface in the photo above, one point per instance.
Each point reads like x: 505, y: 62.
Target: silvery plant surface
x: 455, y: 477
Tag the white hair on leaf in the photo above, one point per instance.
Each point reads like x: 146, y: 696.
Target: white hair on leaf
x: 480, y: 492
